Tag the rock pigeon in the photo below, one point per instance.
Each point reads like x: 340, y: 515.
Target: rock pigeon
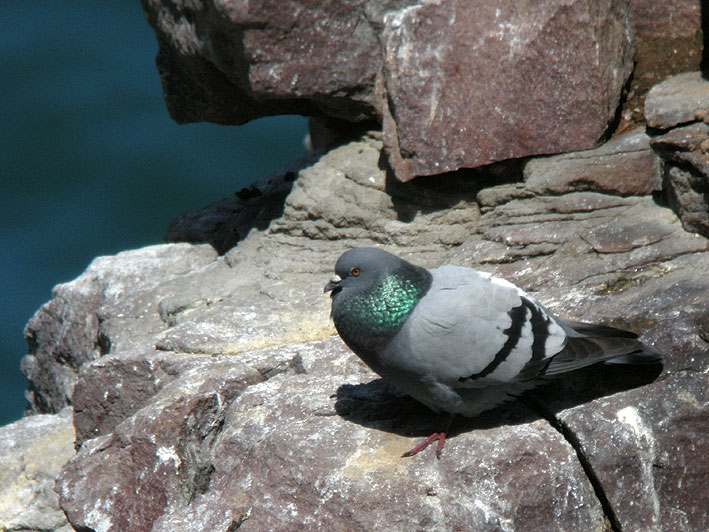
x: 458, y: 340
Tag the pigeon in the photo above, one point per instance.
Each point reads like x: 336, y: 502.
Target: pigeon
x: 458, y: 340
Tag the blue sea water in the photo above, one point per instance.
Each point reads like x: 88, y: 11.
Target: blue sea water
x: 90, y: 161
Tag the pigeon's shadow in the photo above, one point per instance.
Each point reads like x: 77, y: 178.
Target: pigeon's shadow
x: 379, y: 405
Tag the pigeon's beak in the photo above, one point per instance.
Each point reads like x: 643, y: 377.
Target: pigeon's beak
x: 333, y: 283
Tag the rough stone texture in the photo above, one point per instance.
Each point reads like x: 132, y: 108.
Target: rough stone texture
x: 651, y: 434
x: 454, y: 86
x: 283, y: 457
x: 686, y: 175
x: 669, y: 39
x: 222, y: 400
x: 626, y: 165
x: 678, y: 100
x: 680, y: 108
x: 75, y: 326
x: 154, y: 460
x: 465, y: 87
x: 32, y: 451
x: 308, y: 488
x: 669, y: 19
x: 230, y: 62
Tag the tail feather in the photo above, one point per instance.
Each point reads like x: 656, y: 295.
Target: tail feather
x: 589, y: 344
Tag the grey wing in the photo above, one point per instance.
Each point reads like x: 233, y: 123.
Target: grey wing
x: 474, y: 330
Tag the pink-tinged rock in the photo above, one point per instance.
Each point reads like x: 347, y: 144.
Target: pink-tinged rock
x: 468, y: 87
x: 666, y: 19
x: 648, y: 449
x: 126, y: 479
x: 230, y: 62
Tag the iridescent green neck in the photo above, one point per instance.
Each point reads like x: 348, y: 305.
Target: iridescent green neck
x: 383, y: 309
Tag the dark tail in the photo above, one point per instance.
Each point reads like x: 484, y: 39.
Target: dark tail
x: 589, y: 344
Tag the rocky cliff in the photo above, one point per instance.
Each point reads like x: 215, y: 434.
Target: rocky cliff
x: 198, y: 385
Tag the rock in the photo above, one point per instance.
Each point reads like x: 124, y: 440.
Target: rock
x: 453, y: 87
x: 646, y: 436
x: 650, y: 434
x: 680, y: 107
x: 668, y: 40
x: 221, y: 400
x: 280, y: 472
x: 305, y: 487
x: 671, y: 19
x: 32, y: 450
x: 231, y: 62
x: 686, y: 174
x: 230, y: 220
x: 74, y: 327
x: 151, y: 461
x: 625, y: 165
x: 473, y: 80
x: 678, y: 100
x: 464, y: 86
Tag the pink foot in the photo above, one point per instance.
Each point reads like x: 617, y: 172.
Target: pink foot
x: 440, y: 436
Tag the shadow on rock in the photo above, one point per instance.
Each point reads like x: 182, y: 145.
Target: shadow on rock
x: 429, y: 194
x: 379, y: 405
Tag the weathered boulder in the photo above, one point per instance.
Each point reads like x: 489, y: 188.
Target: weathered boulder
x: 455, y: 85
x: 222, y: 400
x: 32, y: 451
x: 230, y: 62
x: 465, y: 86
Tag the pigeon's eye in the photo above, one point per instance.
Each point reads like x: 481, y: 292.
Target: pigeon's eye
x: 355, y: 272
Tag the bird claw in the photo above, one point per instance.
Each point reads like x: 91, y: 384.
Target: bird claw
x: 440, y: 436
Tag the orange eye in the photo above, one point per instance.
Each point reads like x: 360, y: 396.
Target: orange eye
x: 355, y: 272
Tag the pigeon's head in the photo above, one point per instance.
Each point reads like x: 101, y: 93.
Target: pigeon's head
x: 362, y: 268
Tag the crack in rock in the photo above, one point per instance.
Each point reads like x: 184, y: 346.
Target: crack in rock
x: 585, y: 463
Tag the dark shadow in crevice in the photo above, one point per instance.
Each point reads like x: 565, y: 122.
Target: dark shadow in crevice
x: 326, y: 133
x: 572, y: 439
x: 428, y: 194
x: 617, y: 118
